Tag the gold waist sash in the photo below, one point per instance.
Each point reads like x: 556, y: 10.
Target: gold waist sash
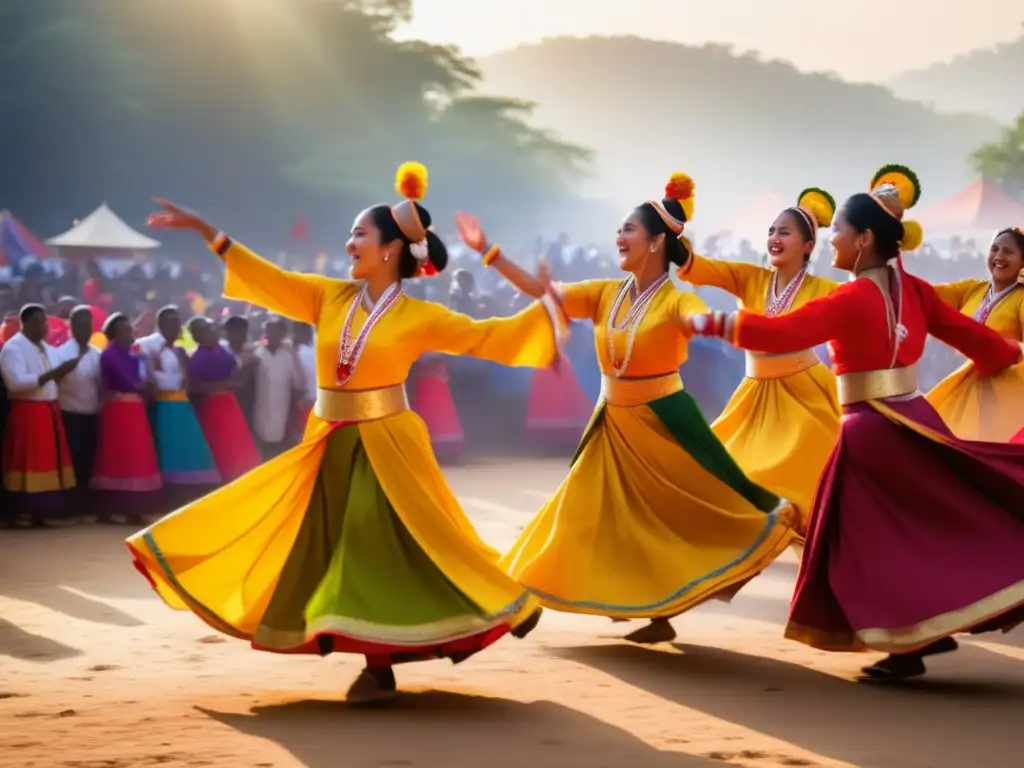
x: 172, y: 397
x: 360, y: 404
x: 627, y: 393
x: 858, y: 386
x: 761, y: 366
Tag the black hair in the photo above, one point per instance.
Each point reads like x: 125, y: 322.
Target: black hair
x: 111, y: 323
x: 863, y: 212
x: 1016, y: 235
x: 676, y: 251
x: 165, y: 311
x: 195, y: 322
x: 81, y: 309
x: 408, y: 267
x: 237, y: 321
x: 31, y: 310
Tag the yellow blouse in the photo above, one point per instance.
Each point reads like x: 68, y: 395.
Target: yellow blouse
x: 410, y: 328
x: 660, y: 346
x: 1006, y: 318
x: 750, y: 283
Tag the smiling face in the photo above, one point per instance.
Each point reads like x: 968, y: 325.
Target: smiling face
x: 844, y: 242
x: 634, y: 243
x: 365, y: 248
x: 786, y: 242
x: 1005, y: 259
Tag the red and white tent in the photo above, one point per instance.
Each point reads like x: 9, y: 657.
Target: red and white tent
x: 978, y: 210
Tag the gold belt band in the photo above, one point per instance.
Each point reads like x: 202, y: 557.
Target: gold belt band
x: 761, y: 366
x: 858, y: 386
x: 360, y: 404
x: 172, y: 397
x: 627, y: 393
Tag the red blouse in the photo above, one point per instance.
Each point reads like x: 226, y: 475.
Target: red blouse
x: 853, y: 321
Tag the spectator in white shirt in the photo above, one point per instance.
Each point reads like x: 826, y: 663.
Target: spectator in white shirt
x: 304, y: 340
x: 37, y: 466
x: 80, y: 398
x: 278, y: 379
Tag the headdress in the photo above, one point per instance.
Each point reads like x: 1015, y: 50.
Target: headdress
x: 679, y: 188
x: 817, y: 207
x: 411, y: 183
x: 897, y: 189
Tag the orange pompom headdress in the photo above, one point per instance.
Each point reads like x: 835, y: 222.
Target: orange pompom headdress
x: 817, y: 207
x: 679, y: 188
x: 411, y: 183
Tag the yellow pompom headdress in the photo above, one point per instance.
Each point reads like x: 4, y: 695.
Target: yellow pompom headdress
x: 411, y: 183
x: 897, y: 189
x: 817, y: 207
x: 679, y: 188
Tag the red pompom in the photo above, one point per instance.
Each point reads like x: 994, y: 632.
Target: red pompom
x: 427, y: 269
x: 679, y: 187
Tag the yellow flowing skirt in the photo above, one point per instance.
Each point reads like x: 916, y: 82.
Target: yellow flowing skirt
x: 782, y: 431
x: 644, y: 527
x: 976, y: 408
x: 223, y: 556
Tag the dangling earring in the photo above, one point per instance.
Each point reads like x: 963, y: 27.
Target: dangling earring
x: 387, y: 256
x: 856, y: 261
x: 653, y: 249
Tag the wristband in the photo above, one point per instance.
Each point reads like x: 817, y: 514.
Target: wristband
x: 490, y: 255
x: 220, y: 244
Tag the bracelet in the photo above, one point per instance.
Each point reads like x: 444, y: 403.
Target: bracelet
x: 220, y: 244
x: 490, y: 255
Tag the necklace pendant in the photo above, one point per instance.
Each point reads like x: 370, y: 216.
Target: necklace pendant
x: 901, y: 331
x: 343, y: 373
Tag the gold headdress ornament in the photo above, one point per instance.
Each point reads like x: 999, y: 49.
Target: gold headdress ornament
x: 679, y: 188
x: 817, y: 208
x: 411, y: 183
x: 897, y: 189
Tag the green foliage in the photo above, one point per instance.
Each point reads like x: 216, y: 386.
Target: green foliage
x: 253, y: 111
x: 1002, y: 161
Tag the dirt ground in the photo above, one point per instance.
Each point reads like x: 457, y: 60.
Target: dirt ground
x: 96, y: 673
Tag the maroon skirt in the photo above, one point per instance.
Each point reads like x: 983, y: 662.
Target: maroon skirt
x: 914, y: 535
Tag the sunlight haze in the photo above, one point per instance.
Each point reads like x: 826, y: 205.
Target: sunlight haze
x: 869, y: 41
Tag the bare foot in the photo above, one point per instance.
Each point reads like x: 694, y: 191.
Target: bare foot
x: 372, y: 685
x: 658, y: 631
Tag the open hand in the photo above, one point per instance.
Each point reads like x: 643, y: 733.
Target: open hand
x: 471, y: 232
x: 171, y: 216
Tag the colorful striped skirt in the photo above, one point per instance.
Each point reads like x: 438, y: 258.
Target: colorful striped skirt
x: 37, y: 462
x: 914, y: 535
x: 125, y: 453
x: 182, y: 451
x: 227, y: 434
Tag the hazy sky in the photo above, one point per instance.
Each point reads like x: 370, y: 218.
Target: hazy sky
x: 858, y: 39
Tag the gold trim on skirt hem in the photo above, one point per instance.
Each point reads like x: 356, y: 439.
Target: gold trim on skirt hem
x: 629, y: 393
x: 358, y: 405
x: 764, y: 366
x: 915, y: 636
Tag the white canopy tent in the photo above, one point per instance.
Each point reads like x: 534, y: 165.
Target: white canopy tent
x: 102, y: 232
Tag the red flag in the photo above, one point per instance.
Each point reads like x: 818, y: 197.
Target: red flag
x: 300, y: 230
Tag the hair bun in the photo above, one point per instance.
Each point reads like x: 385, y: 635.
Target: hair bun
x: 680, y: 188
x: 819, y: 204
x: 905, y: 181
x: 411, y: 180
x: 913, y: 236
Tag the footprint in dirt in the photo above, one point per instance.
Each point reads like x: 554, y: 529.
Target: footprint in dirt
x: 104, y: 668
x: 10, y: 695
x: 211, y: 640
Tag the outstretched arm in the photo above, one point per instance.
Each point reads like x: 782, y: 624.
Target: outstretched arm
x: 473, y: 236
x: 735, y: 277
x: 990, y: 352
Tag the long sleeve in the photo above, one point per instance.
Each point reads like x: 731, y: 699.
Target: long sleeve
x: 990, y: 352
x: 817, y: 322
x: 582, y: 300
x: 528, y: 339
x: 734, y: 277
x: 956, y: 294
x: 17, y: 373
x: 251, y: 278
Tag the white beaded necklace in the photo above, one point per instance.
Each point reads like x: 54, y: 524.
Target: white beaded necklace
x: 632, y: 320
x: 991, y: 301
x: 349, y: 351
x: 779, y: 305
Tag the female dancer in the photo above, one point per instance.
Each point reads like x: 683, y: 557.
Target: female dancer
x: 432, y: 401
x: 655, y: 516
x: 915, y: 534
x: 126, y: 460
x: 782, y: 421
x: 352, y: 541
x: 992, y: 408
x: 213, y: 379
